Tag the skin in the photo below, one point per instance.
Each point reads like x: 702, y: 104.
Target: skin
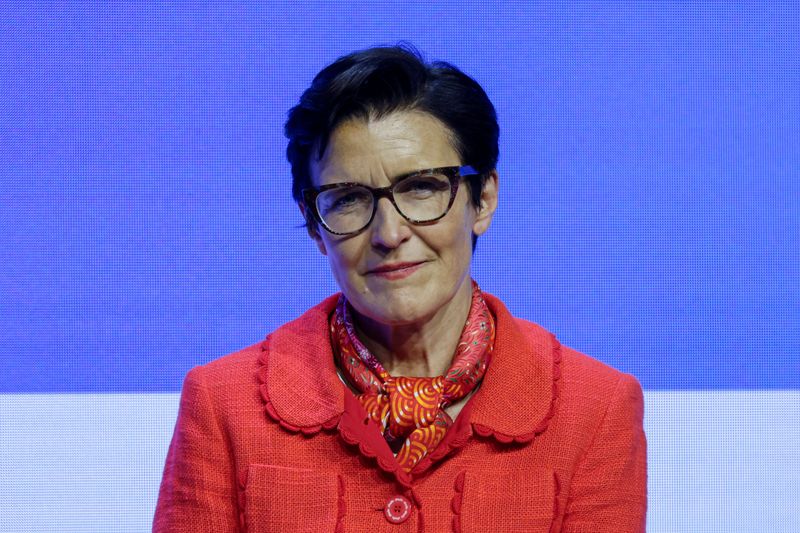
x: 412, y: 324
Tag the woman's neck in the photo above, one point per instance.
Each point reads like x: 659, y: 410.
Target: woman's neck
x: 422, y: 349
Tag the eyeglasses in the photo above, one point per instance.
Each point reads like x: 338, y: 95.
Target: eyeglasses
x: 421, y: 197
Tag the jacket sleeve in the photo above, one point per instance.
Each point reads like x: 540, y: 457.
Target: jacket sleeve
x: 198, y: 489
x: 609, y: 490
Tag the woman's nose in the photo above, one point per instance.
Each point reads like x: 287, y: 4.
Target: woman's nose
x: 388, y: 228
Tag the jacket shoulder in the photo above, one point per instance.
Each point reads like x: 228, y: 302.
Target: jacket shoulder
x: 583, y: 368
x: 581, y: 376
x: 576, y: 363
x: 230, y: 367
x: 226, y: 380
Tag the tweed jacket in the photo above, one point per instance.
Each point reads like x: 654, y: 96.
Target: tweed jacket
x: 270, y: 439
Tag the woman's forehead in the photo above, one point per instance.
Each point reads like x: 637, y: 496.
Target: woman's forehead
x: 382, y: 149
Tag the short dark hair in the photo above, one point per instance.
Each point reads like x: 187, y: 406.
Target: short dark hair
x: 377, y: 81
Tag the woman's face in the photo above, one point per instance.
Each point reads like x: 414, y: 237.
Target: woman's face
x: 394, y: 272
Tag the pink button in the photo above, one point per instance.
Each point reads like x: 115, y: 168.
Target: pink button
x: 397, y: 509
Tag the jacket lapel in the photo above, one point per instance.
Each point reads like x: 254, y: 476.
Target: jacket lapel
x: 302, y: 391
x: 299, y: 383
x: 517, y: 397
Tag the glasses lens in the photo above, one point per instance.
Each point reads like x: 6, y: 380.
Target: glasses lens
x: 345, y: 209
x: 423, y: 198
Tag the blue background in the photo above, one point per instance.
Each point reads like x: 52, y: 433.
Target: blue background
x: 650, y: 194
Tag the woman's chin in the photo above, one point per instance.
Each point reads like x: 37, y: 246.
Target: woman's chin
x: 403, y: 304
x: 393, y: 309
x: 395, y: 316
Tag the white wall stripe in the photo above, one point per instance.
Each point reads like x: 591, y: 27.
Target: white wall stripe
x: 719, y: 461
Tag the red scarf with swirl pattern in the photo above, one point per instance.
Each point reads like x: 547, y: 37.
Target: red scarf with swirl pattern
x: 410, y: 410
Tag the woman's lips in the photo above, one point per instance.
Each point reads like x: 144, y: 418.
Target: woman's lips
x: 395, y: 271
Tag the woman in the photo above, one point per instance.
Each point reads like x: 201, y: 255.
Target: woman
x: 411, y: 401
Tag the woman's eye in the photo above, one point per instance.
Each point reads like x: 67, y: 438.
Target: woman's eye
x: 342, y: 201
x: 421, y: 185
x: 425, y: 185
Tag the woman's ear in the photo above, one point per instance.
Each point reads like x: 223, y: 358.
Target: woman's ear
x: 488, y: 205
x: 313, y: 228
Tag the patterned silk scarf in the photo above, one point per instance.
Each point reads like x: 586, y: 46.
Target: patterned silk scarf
x: 410, y: 410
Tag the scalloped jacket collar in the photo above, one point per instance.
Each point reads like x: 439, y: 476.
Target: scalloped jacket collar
x: 302, y: 390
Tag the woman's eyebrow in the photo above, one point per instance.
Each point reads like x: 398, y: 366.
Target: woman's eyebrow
x: 410, y: 173
x: 336, y: 179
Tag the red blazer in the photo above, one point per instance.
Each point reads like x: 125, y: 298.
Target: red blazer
x: 269, y: 439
